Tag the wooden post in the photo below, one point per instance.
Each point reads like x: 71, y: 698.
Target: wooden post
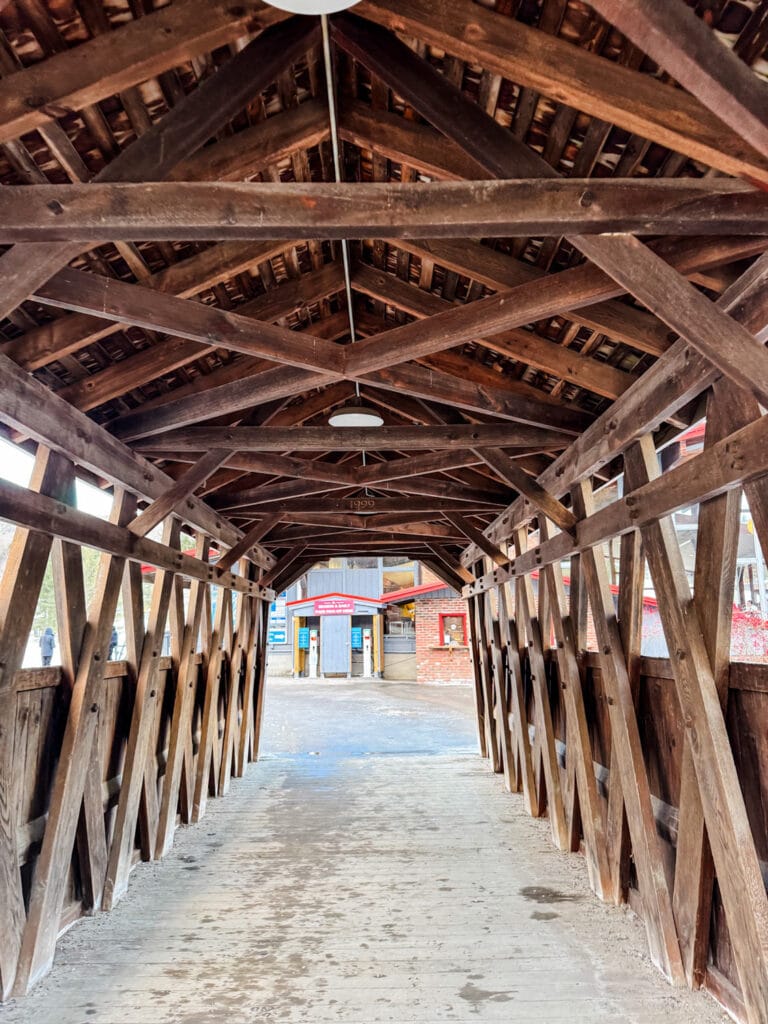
x: 182, y: 708
x: 260, y: 682
x: 242, y: 643
x: 522, y: 747
x: 486, y: 681
x: 254, y: 656
x: 210, y: 724
x: 138, y: 748
x: 477, y: 677
x: 378, y: 644
x: 578, y: 744
x: 657, y: 900
x: 297, y: 659
x: 545, y: 751
x: 504, y: 738
x: 630, y: 627
x: 71, y: 616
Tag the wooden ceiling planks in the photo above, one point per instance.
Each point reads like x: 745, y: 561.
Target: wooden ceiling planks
x: 301, y: 128
x: 292, y: 144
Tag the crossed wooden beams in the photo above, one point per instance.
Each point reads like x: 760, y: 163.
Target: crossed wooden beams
x: 712, y: 812
x: 726, y: 465
x: 51, y: 524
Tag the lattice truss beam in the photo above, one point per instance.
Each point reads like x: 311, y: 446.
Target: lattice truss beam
x: 557, y: 225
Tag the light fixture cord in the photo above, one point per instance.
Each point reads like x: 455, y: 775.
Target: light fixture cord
x: 337, y: 172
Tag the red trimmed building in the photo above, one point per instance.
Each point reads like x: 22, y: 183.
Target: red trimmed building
x: 441, y: 632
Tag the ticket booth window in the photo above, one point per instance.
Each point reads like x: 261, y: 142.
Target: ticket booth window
x: 453, y: 630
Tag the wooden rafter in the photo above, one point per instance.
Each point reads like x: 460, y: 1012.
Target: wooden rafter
x: 684, y: 45
x: 527, y: 206
x: 171, y: 140
x: 572, y: 76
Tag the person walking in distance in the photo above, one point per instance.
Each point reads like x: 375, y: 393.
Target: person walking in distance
x: 47, y: 643
x: 112, y: 643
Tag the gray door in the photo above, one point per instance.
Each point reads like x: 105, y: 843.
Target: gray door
x: 334, y: 645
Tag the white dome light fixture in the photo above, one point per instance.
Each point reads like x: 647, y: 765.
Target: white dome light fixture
x: 355, y: 414
x: 313, y: 6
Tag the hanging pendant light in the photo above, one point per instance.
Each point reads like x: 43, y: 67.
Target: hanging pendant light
x: 313, y: 6
x: 355, y: 414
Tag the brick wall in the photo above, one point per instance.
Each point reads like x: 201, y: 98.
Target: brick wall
x: 434, y: 662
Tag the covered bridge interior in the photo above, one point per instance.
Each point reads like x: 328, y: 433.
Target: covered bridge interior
x: 529, y: 235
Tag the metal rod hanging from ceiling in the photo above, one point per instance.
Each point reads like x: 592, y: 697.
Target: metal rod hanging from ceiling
x: 337, y: 168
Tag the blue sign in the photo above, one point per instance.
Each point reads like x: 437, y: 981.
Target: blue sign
x: 357, y: 638
x: 277, y: 636
x: 304, y: 638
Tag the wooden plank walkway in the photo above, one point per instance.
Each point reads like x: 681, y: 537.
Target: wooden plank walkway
x: 369, y: 869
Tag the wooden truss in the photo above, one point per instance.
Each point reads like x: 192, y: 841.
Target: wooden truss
x: 557, y: 236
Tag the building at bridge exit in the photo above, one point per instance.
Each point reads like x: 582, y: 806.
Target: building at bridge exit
x: 376, y: 618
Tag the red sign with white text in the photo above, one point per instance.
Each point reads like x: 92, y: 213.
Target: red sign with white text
x: 334, y: 606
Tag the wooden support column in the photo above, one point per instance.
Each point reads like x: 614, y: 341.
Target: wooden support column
x: 477, y: 676
x: 504, y: 739
x: 546, y: 767
x: 135, y: 776
x: 578, y: 609
x: 654, y: 889
x: 133, y: 614
x: 52, y: 867
x: 630, y: 602
x: 178, y: 747
x: 486, y: 682
x: 522, y: 746
x: 578, y: 743
x: 378, y: 645
x: 260, y: 681
x: 297, y: 651
x: 725, y: 815
x: 210, y: 724
x: 260, y: 616
x: 241, y: 644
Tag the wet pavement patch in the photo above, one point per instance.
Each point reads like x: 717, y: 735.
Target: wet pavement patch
x: 472, y: 994
x: 542, y: 894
